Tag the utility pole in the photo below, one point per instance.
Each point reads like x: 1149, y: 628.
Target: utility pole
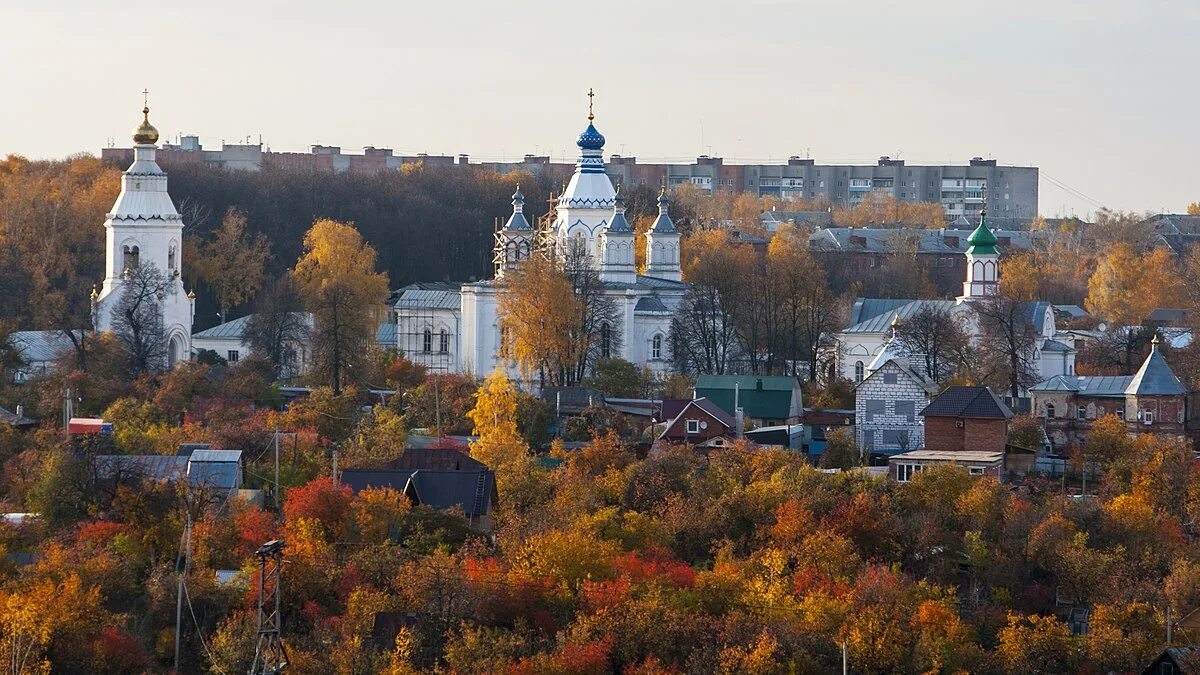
x: 187, y: 560
x: 270, y: 655
x: 278, y: 490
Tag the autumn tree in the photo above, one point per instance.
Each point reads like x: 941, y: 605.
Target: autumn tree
x: 232, y: 263
x: 1037, y: 645
x: 1128, y: 285
x: 337, y: 279
x: 535, y: 309
x: 809, y: 312
x: 279, y: 327
x: 936, y: 340
x: 841, y: 451
x: 704, y: 336
x: 137, y: 318
x: 1006, y: 322
x: 495, y: 420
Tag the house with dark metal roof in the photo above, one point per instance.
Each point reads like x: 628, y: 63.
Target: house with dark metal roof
x: 764, y: 399
x: 966, y: 418
x: 17, y: 419
x: 471, y: 489
x: 1153, y: 400
x: 1175, y: 661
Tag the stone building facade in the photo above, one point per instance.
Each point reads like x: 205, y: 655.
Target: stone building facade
x: 887, y: 403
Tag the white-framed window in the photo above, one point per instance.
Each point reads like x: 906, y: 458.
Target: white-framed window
x: 905, y: 472
x: 656, y: 347
x: 976, y: 470
x: 858, y: 371
x: 1081, y: 412
x: 1147, y: 417
x: 231, y: 356
x: 444, y: 342
x: 693, y: 426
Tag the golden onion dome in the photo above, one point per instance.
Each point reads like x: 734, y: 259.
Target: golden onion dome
x: 145, y: 133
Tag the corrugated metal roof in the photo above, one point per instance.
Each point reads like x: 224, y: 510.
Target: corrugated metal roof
x: 386, y: 335
x: 41, y: 345
x: 449, y: 489
x: 650, y: 303
x: 1055, y: 346
x: 419, y: 298
x: 229, y: 330
x: 906, y: 309
x: 207, y: 455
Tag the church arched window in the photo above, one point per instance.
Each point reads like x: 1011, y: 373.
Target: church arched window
x: 171, y: 259
x: 130, y: 256
x: 427, y: 341
x: 1049, y: 411
x: 444, y: 341
x: 605, y: 341
x: 656, y: 347
x: 858, y: 371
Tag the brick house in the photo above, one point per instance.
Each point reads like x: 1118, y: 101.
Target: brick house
x: 966, y: 418
x: 886, y: 403
x: 1151, y: 401
x: 700, y: 423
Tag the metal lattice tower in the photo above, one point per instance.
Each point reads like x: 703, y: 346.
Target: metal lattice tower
x: 270, y: 655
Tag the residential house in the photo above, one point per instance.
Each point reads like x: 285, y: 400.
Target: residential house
x: 228, y: 341
x: 442, y: 478
x: 965, y: 418
x: 765, y: 400
x: 887, y: 402
x: 700, y: 423
x: 218, y: 470
x: 903, y: 466
x: 38, y: 350
x: 1151, y: 401
x: 1175, y: 661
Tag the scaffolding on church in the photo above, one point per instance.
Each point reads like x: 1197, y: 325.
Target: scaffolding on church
x: 427, y: 323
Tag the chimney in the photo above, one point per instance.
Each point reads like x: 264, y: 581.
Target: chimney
x: 20, y: 412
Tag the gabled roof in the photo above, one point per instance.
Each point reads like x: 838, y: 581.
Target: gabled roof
x: 421, y: 296
x: 13, y: 419
x: 442, y: 459
x: 967, y: 402
x: 386, y: 334
x: 209, y: 455
x: 155, y: 467
x: 473, y: 491
x: 1057, y: 383
x: 904, y: 369
x: 1155, y: 377
x: 707, y: 407
x: 876, y: 315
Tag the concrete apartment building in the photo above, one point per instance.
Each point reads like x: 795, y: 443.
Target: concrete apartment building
x: 1012, y: 190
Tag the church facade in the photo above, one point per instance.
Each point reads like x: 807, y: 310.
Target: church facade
x: 455, y: 328
x: 871, y: 319
x: 144, y: 230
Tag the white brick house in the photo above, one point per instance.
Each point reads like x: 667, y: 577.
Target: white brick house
x: 887, y: 403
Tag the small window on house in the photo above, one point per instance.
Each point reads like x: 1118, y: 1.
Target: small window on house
x: 1049, y: 411
x: 444, y: 342
x: 976, y: 470
x: 231, y: 356
x: 427, y: 341
x: 693, y: 426
x: 858, y: 371
x: 1148, y: 417
x: 1081, y: 412
x: 656, y: 348
x: 875, y: 407
x: 905, y: 472
x: 889, y: 378
x: 1121, y: 412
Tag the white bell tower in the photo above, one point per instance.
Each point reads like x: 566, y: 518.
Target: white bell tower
x: 144, y: 228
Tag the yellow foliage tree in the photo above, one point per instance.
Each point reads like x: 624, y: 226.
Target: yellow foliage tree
x: 337, y: 277
x: 1127, y: 286
x: 536, y: 309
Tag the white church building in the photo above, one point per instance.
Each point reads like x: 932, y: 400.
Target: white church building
x: 144, y: 228
x: 454, y: 328
x: 871, y: 319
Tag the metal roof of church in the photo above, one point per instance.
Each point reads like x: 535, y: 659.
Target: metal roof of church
x: 1155, y: 377
x: 40, y: 345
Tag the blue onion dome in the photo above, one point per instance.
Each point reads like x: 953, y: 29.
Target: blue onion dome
x: 663, y: 199
x: 518, y: 198
x: 590, y: 139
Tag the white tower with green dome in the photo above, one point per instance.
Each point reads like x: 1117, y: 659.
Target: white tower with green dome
x: 983, y: 263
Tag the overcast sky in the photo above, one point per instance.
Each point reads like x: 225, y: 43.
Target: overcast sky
x: 1100, y: 95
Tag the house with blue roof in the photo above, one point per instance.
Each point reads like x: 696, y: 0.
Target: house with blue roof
x: 869, y: 327
x: 1151, y: 401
